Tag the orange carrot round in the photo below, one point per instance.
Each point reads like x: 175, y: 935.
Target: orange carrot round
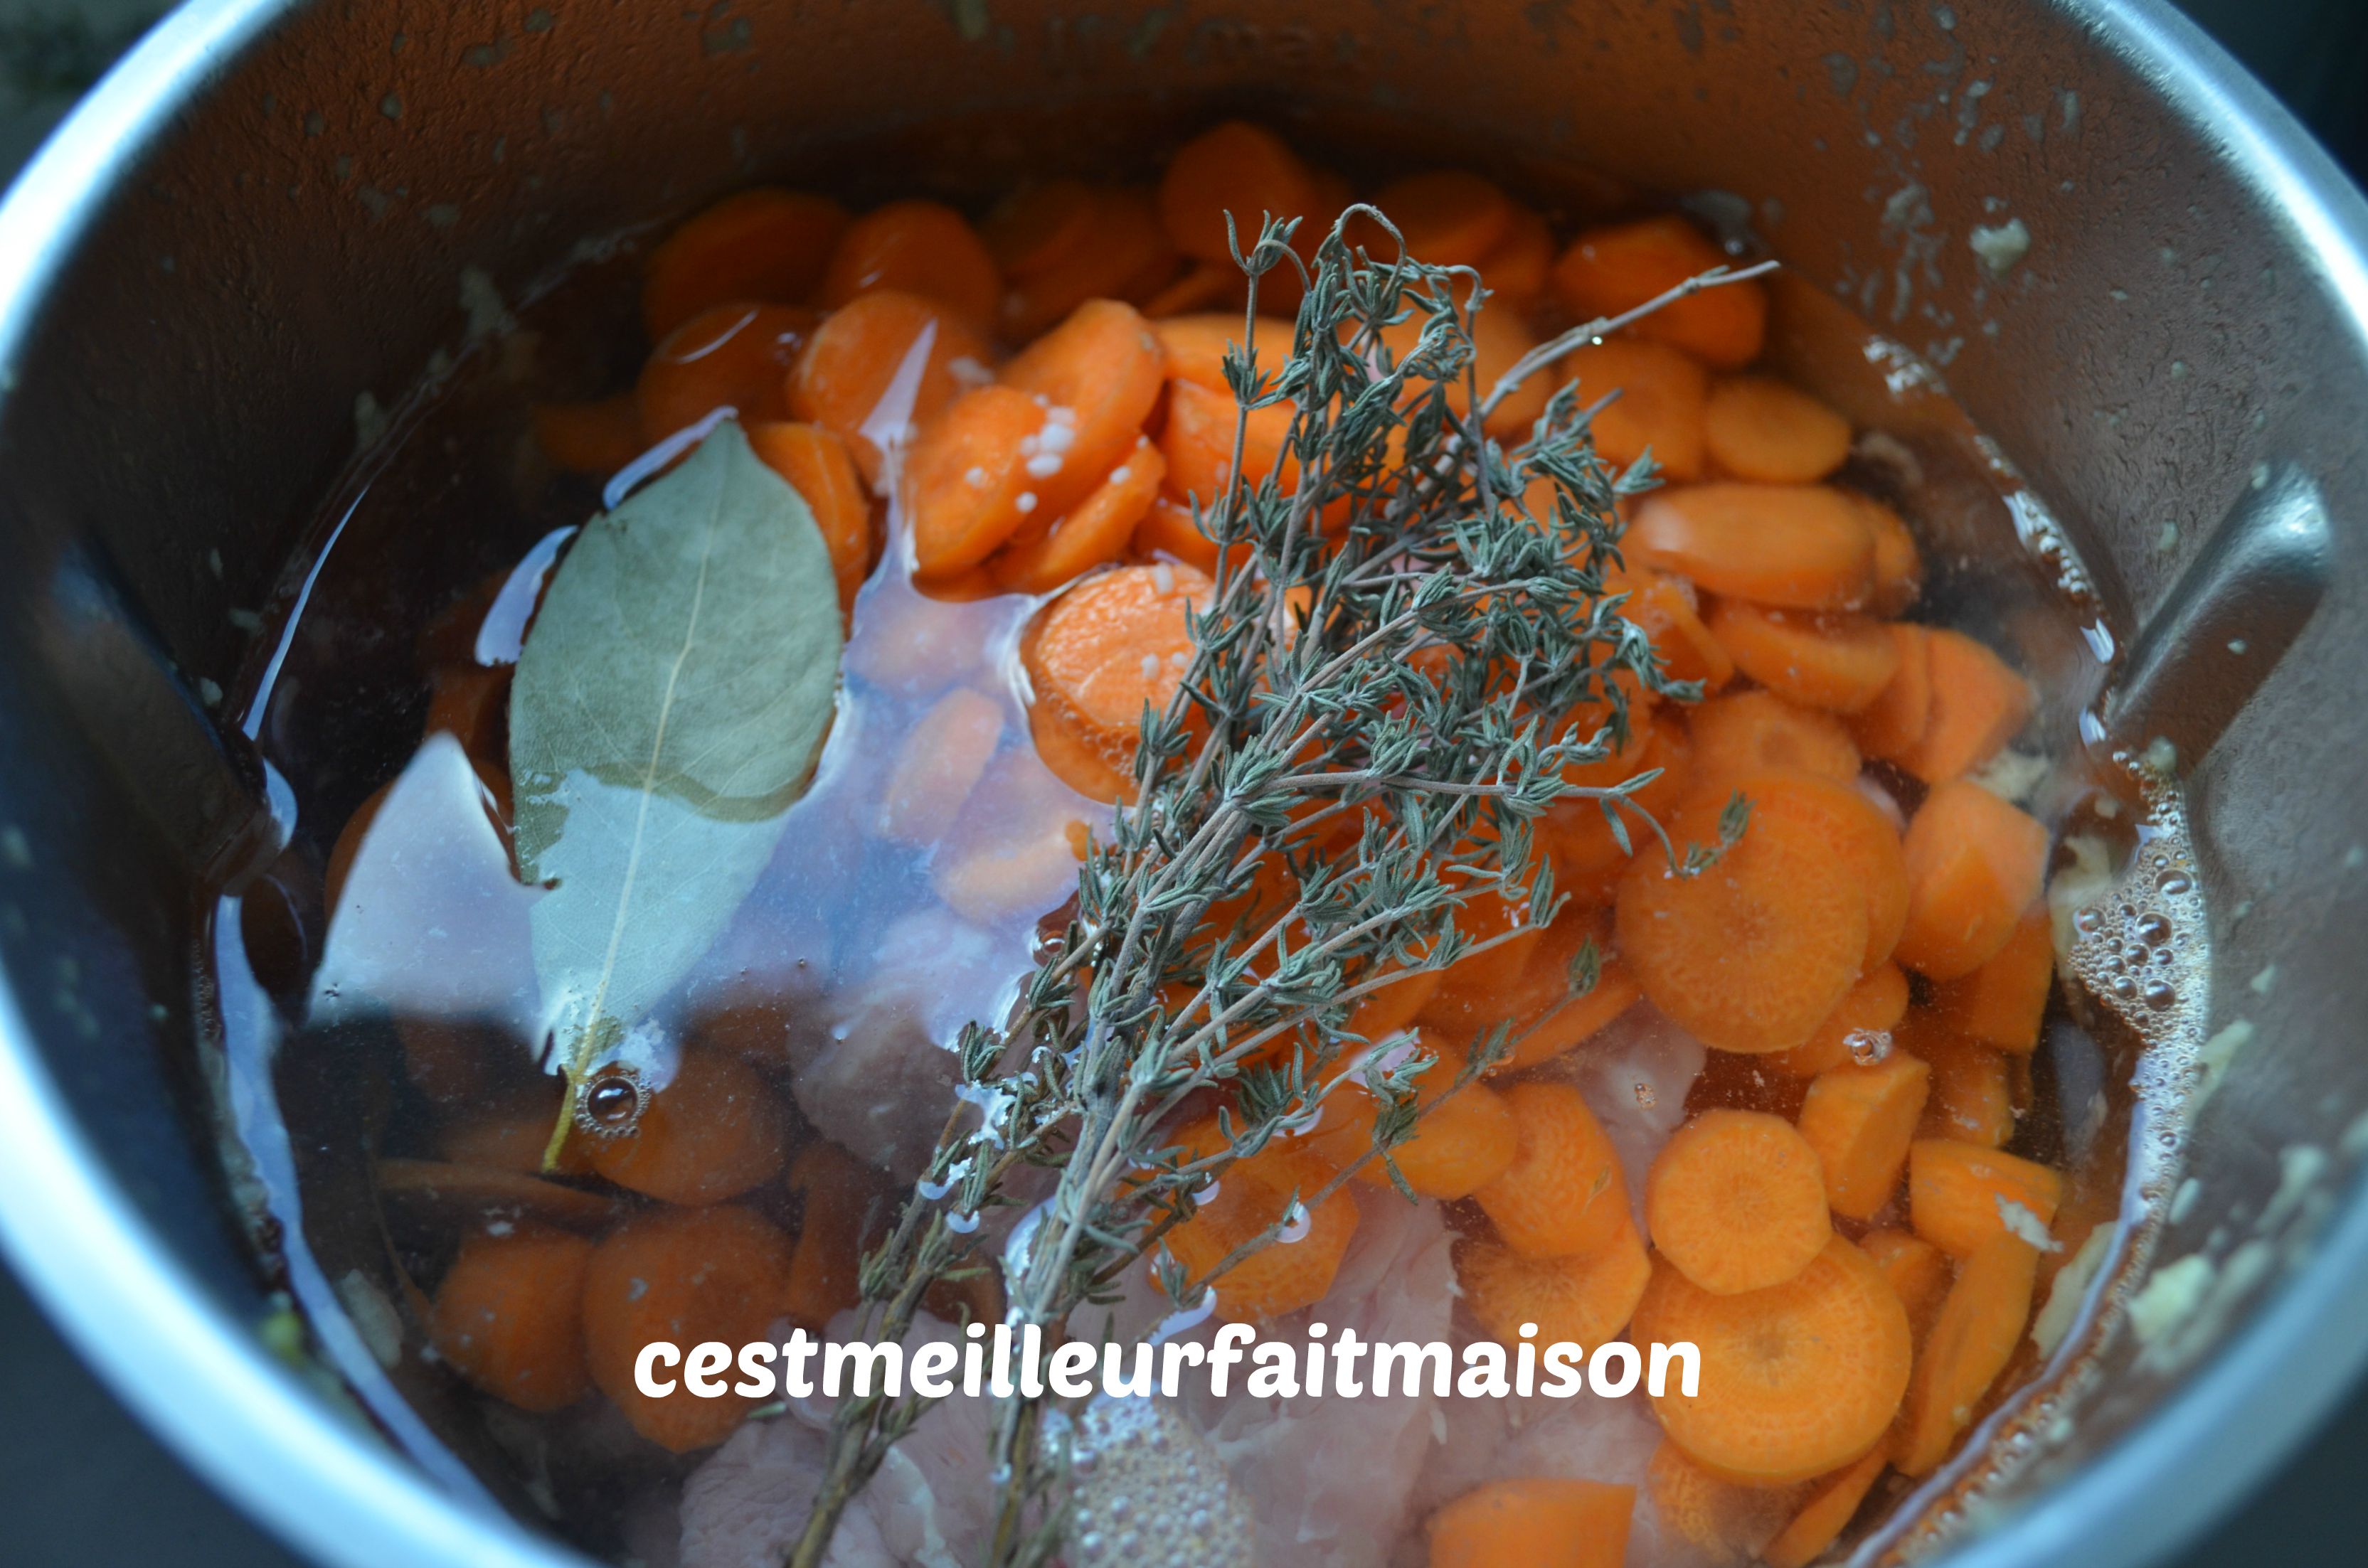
x: 734, y: 355
x: 1563, y: 1194
x: 1464, y: 1139
x: 1196, y: 346
x: 1108, y: 648
x: 2001, y: 1003
x: 1961, y: 1195
x: 1797, y: 1379
x: 1860, y: 1120
x: 857, y: 353
x: 1499, y: 341
x: 1977, y: 705
x: 827, y: 1263
x: 1840, y: 663
x: 688, y: 1276
x: 1979, y: 1324
x: 758, y: 245
x: 1763, y: 429
x: 1516, y: 267
x: 1895, y: 722
x: 1253, y: 1195
x: 1167, y: 530
x: 820, y: 469
x: 1662, y: 391
x: 1098, y: 375
x: 1860, y: 836
x: 1919, y: 1272
x: 1972, y: 1100
x: 1124, y: 256
x: 1234, y: 168
x: 1729, y: 1523
x: 1670, y: 612
x: 1586, y: 1298
x: 915, y: 247
x: 939, y: 765
x: 1573, y: 832
x: 1534, y: 1523
x: 967, y: 485
x: 1794, y: 547
x: 1874, y: 1006
x: 1758, y: 731
x: 1612, y: 269
x: 1753, y: 953
x: 508, y: 1316
x: 1037, y: 226
x: 1096, y: 530
x: 712, y: 1132
x: 1828, y: 1510
x: 1898, y: 565
x: 1973, y: 865
x: 1736, y: 1201
x: 1083, y: 764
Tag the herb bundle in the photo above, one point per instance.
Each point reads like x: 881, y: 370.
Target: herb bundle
x: 1408, y: 643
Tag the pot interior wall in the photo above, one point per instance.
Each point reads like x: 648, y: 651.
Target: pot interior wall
x: 320, y: 223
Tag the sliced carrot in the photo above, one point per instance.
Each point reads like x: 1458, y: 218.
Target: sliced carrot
x: 1167, y: 530
x: 1758, y: 731
x: 857, y: 355
x: 1037, y: 226
x: 508, y: 1316
x: 1125, y: 256
x: 1253, y: 1195
x: 1898, y: 566
x: 712, y: 1132
x: 827, y: 1263
x: 1727, y: 1524
x: 1795, y: 546
x: 938, y: 766
x: 1735, y: 1202
x: 1971, y: 1100
x: 590, y: 438
x: 1612, y: 269
x: 1464, y: 1139
x: 1760, y: 428
x: 688, y: 1276
x: 1099, y: 374
x: 1516, y: 267
x: 1975, y: 1333
x: 1575, y: 1021
x: 1198, y: 442
x: 758, y: 245
x: 1533, y: 999
x: 735, y: 355
x: 1670, y: 612
x: 1563, y: 1194
x: 1961, y: 1195
x: 2001, y: 1003
x: 1837, y: 662
x: 1077, y: 762
x: 1201, y: 285
x: 967, y: 485
x: 1974, y: 867
x: 1754, y: 952
x: 1893, y: 722
x: 1977, y: 706
x: 1534, y: 1523
x: 1234, y: 168
x: 1450, y: 218
x: 1662, y: 391
x: 1797, y: 1379
x: 915, y: 247
x: 1096, y: 530
x: 1108, y: 648
x: 1860, y: 1121
x: 1196, y: 346
x: 1586, y: 1298
x: 1828, y: 1511
x: 1918, y: 1271
x: 1874, y: 1006
x: 822, y: 471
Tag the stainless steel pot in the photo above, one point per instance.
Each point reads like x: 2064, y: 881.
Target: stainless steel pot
x: 267, y: 213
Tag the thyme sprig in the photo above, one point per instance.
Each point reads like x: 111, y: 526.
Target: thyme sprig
x: 1408, y: 643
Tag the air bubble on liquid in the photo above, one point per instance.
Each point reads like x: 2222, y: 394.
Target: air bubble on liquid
x: 2153, y: 929
x: 2176, y: 884
x: 2159, y: 994
x: 1868, y: 1047
x: 1645, y: 1098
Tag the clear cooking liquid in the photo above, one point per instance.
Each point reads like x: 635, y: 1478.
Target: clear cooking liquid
x: 386, y: 1086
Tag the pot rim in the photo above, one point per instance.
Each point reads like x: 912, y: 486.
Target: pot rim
x: 205, y: 1383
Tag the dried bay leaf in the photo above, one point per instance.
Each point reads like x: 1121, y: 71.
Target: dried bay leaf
x: 670, y: 703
